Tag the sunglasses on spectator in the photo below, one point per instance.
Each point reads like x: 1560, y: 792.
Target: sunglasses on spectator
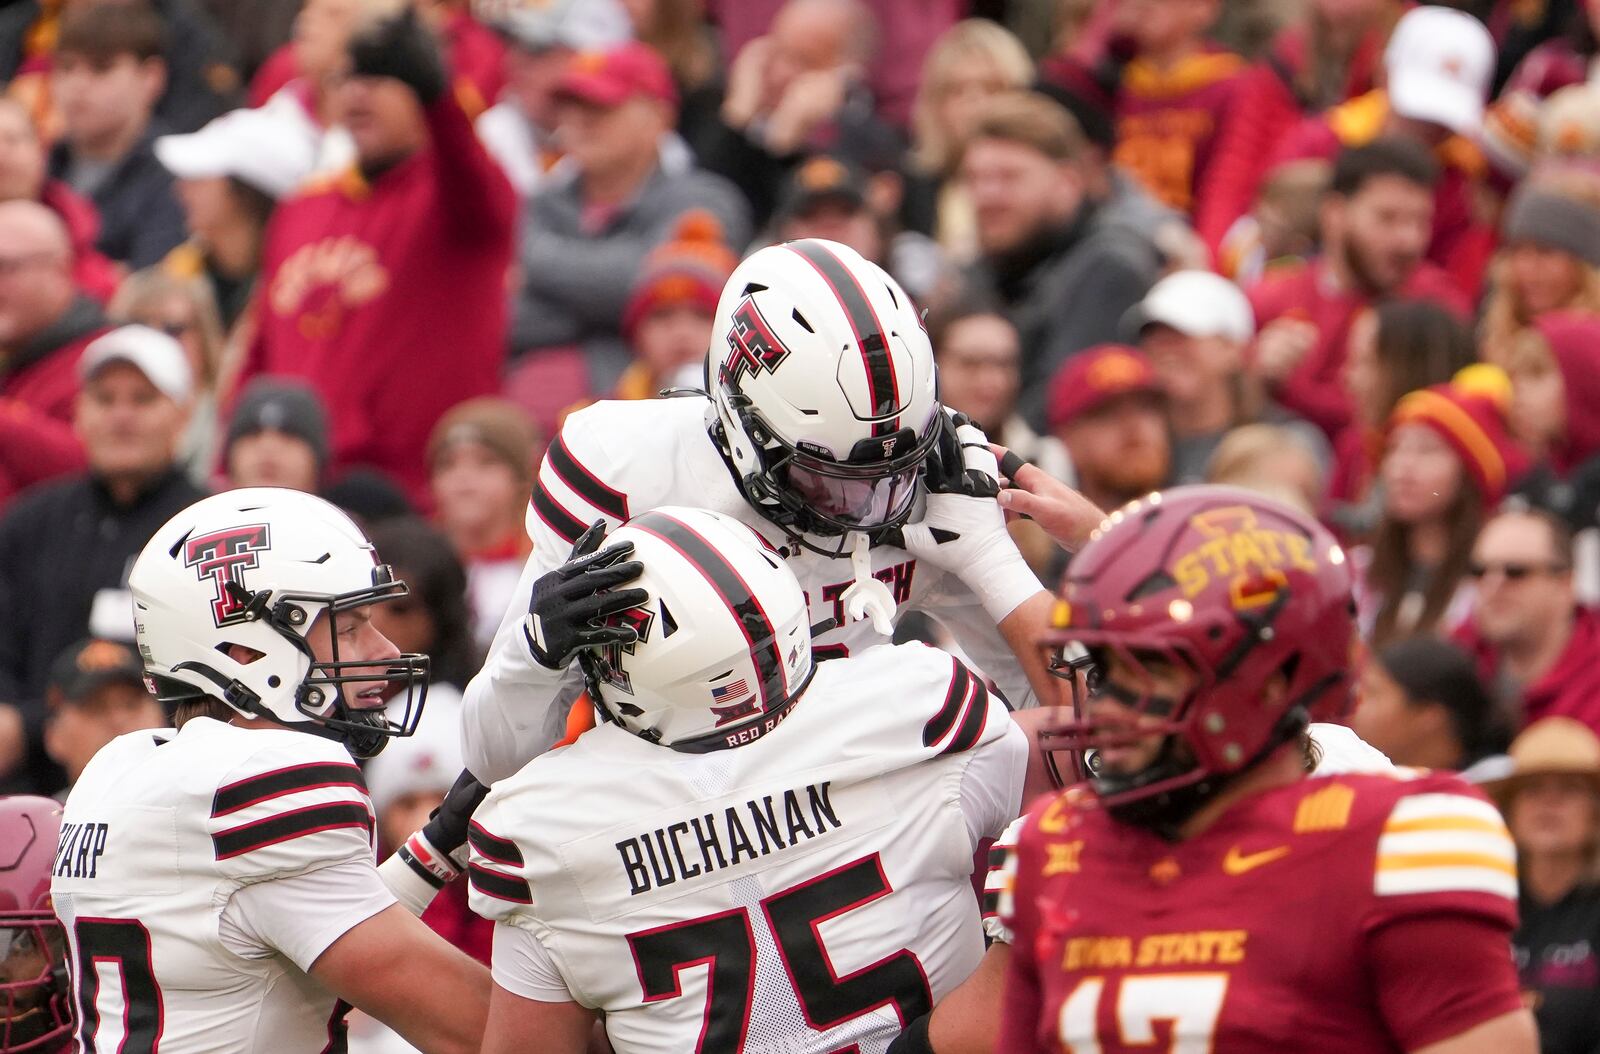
x: 1511, y: 571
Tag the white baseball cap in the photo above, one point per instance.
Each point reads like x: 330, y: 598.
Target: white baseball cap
x: 1439, y: 63
x: 1197, y: 304
x: 582, y: 25
x: 159, y: 357
x: 257, y: 147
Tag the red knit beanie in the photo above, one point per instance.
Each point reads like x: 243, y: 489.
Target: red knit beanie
x: 1469, y: 413
x: 688, y: 268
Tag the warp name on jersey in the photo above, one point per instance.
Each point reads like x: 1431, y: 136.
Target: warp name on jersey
x: 79, y: 850
x: 721, y: 839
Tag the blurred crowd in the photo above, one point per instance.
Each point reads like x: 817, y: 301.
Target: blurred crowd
x: 1346, y: 252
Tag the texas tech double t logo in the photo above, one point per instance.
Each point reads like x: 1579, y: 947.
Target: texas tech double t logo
x: 752, y: 346
x: 221, y: 557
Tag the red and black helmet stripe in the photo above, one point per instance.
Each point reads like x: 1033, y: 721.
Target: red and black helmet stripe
x: 735, y: 593
x: 871, y: 339
x: 586, y: 484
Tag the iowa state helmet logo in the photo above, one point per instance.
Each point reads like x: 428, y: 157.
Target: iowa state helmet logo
x: 221, y: 557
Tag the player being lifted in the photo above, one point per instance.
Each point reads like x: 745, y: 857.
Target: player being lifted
x: 768, y: 854
x: 1204, y: 893
x: 824, y: 433
x: 217, y: 882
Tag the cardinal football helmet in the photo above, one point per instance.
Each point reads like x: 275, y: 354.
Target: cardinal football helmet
x: 724, y: 645
x: 35, y: 1000
x: 256, y: 567
x: 1232, y: 586
x: 822, y: 382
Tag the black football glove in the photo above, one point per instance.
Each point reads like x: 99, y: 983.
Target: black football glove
x: 949, y: 472
x: 570, y: 604
x: 403, y: 48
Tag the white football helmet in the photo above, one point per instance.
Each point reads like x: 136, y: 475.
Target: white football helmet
x: 256, y: 567
x: 822, y: 381
x: 724, y: 645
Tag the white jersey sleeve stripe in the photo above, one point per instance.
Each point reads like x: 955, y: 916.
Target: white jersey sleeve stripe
x: 1493, y: 846
x: 286, y: 826
x: 1445, y: 843
x: 253, y: 790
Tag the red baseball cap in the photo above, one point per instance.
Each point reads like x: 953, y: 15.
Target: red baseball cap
x: 1094, y: 377
x: 611, y: 78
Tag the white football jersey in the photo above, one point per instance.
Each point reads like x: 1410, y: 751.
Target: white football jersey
x: 808, y: 892
x: 613, y: 460
x: 159, y: 834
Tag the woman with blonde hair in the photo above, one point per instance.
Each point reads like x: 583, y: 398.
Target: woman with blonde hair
x: 182, y: 307
x: 972, y: 62
x: 1550, y: 260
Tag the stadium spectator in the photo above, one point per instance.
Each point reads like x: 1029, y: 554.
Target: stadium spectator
x: 980, y: 374
x: 1448, y: 461
x: 798, y: 89
x: 106, y: 77
x: 1174, y: 98
x: 1550, y: 259
x: 1420, y: 701
x: 433, y: 618
x: 1437, y: 66
x: 255, y: 28
x: 678, y: 31
x: 183, y: 308
x: 300, y: 81
x: 201, y: 78
x: 1399, y: 346
x: 519, y: 129
x: 1330, y: 53
x: 277, y: 437
x: 1555, y: 369
x: 1551, y: 803
x: 587, y: 232
x: 481, y: 464
x: 23, y: 178
x: 1108, y: 408
x: 1562, y: 60
x: 1196, y: 326
x: 65, y: 548
x: 1538, y: 650
x: 1281, y: 227
x: 1064, y: 278
x: 671, y: 312
x: 231, y: 174
x: 45, y: 321
x: 96, y: 693
x: 971, y: 63
x: 1374, y: 232
x: 1280, y: 462
x: 384, y: 288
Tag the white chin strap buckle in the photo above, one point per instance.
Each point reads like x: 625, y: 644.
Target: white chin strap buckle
x: 867, y: 597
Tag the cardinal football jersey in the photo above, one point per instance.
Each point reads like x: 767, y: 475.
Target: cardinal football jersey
x: 614, y: 460
x: 807, y: 892
x: 1256, y: 935
x: 159, y: 833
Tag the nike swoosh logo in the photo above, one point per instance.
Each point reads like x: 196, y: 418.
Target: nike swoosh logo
x: 1237, y: 863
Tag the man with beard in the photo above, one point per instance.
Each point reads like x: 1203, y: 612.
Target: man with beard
x: 1375, y: 223
x: 1107, y: 405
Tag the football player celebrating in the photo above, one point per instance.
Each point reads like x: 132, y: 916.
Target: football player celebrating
x: 217, y: 882
x: 1205, y: 893
x: 822, y: 431
x: 766, y: 854
x: 35, y: 1008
